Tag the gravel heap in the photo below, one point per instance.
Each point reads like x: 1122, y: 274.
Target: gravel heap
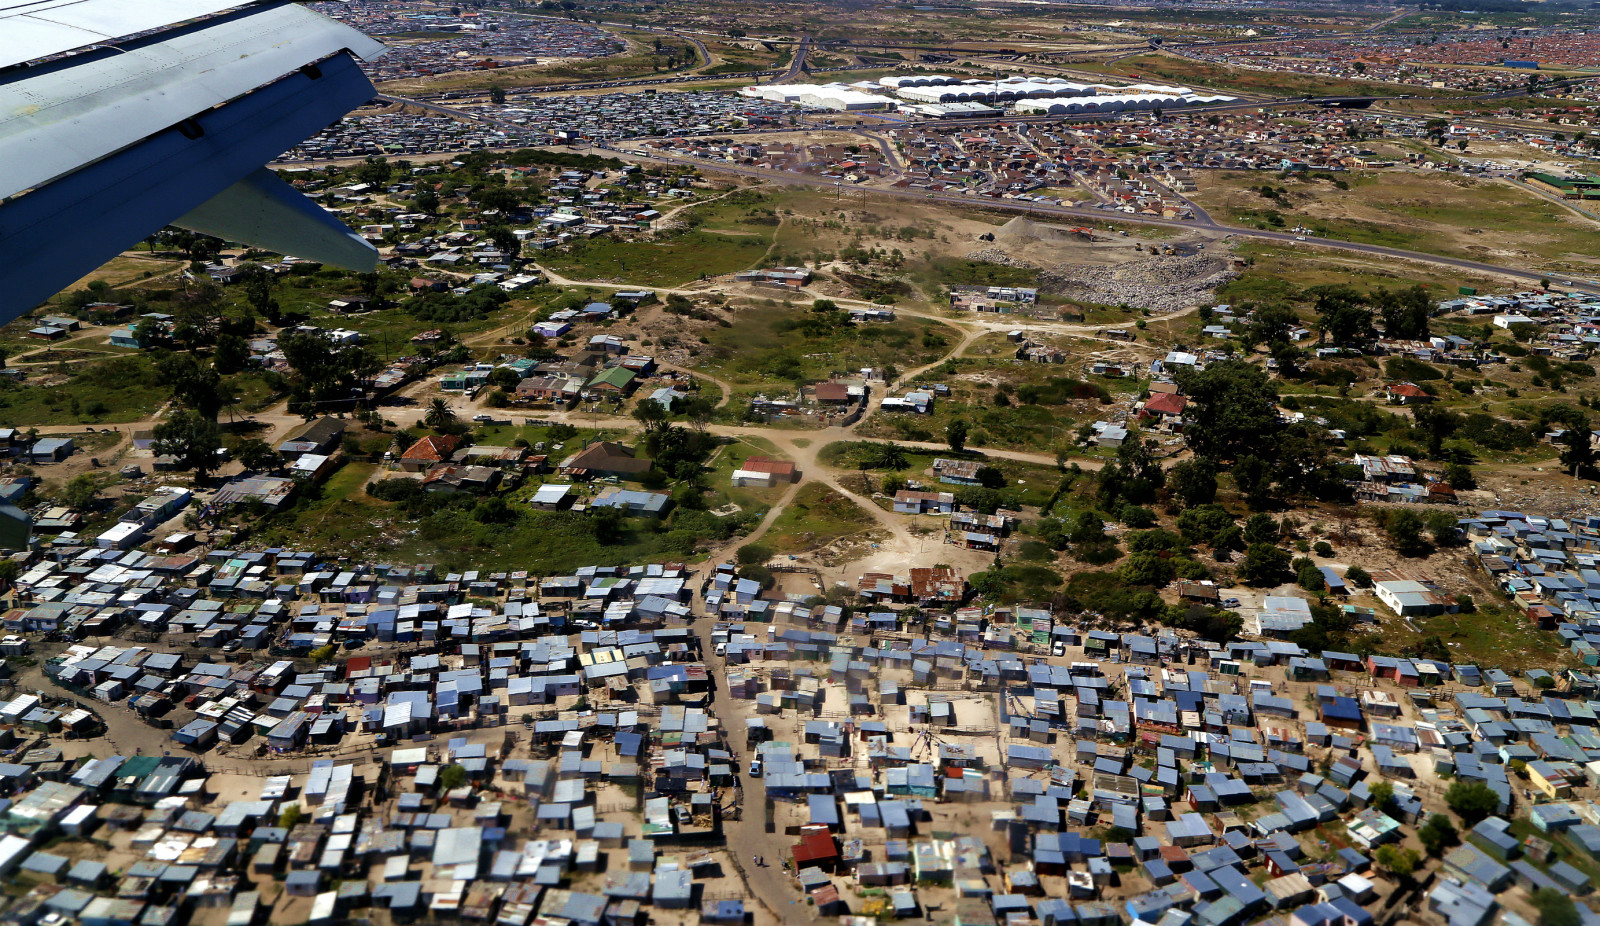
x: 1160, y: 284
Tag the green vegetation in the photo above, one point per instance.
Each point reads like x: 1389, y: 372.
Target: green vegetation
x: 814, y: 518
x: 669, y: 260
x: 1472, y: 801
x: 794, y: 345
x: 118, y: 389
x: 1274, y: 83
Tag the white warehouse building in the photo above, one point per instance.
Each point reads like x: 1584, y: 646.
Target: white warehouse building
x: 838, y: 97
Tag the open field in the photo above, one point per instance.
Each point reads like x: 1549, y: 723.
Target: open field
x: 815, y: 518
x: 1270, y: 83
x: 342, y: 516
x: 640, y: 60
x: 1438, y: 213
x: 773, y: 344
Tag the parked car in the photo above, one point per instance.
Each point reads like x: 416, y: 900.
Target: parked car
x: 755, y: 768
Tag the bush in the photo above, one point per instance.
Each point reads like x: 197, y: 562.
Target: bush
x: 1322, y: 548
x: 1555, y: 908
x: 753, y: 554
x: 1264, y: 564
x: 1472, y: 801
x: 758, y: 573
x: 395, y: 489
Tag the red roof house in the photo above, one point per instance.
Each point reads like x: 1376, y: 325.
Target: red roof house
x: 1407, y: 393
x: 1165, y: 405
x: 428, y: 451
x: 816, y: 847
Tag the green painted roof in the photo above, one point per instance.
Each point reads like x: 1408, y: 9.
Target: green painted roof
x: 618, y: 377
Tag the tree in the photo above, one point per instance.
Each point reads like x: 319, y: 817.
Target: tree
x: 1404, y: 312
x: 955, y: 433
x: 1444, y: 528
x: 1398, y: 861
x: 259, y: 286
x: 1472, y: 801
x: 1308, y: 576
x: 426, y: 201
x: 375, y: 170
x: 1381, y: 795
x: 256, y: 455
x: 439, y: 415
x: 1437, y: 425
x: 452, y: 776
x: 1086, y: 528
x: 699, y: 410
x: 1147, y: 569
x: 231, y: 353
x: 991, y: 478
x: 498, y: 198
x: 1358, y: 577
x: 1261, y: 528
x: 497, y: 95
x: 1264, y: 564
x: 1404, y: 528
x: 505, y: 240
x: 1555, y: 908
x: 1343, y: 315
x: 322, y: 371
x: 1193, y: 482
x: 1438, y: 834
x: 191, y: 438
x: 606, y: 524
x: 289, y: 817
x: 1234, y: 409
x: 194, y: 384
x: 651, y: 415
x: 80, y: 492
x: 1459, y: 475
x: 1577, y: 453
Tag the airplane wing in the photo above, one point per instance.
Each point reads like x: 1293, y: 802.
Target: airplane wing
x: 119, y: 118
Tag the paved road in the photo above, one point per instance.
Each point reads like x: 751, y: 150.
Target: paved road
x: 797, y: 63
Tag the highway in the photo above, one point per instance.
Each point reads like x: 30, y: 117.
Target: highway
x: 797, y: 62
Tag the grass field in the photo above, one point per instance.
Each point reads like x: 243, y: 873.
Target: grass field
x: 816, y: 517
x: 769, y: 344
x: 1244, y: 80
x: 1027, y: 484
x: 1436, y: 213
x: 340, y: 515
x: 120, y: 389
x: 1271, y: 264
x: 614, y: 67
x: 722, y: 236
x: 669, y: 261
x: 1492, y: 636
x: 1038, y: 407
x: 751, y: 499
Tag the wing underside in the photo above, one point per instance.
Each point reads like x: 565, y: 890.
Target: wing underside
x: 103, y: 146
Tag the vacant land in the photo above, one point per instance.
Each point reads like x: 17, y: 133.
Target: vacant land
x: 340, y: 515
x: 768, y: 344
x: 119, y: 389
x: 1437, y: 213
x: 1270, y: 83
x: 816, y: 517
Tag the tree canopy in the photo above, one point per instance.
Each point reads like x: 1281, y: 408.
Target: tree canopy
x: 1234, y: 409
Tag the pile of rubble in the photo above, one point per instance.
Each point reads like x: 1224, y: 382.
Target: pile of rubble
x: 1161, y: 284
x: 1165, y: 284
